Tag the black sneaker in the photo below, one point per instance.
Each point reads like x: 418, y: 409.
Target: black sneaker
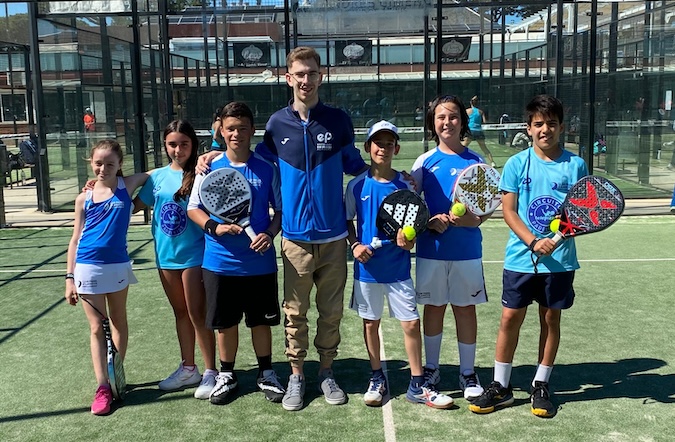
x: 540, y: 400
x: 495, y: 396
x: 226, y: 381
x: 268, y: 383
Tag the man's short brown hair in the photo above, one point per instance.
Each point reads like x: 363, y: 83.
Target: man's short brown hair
x: 303, y: 53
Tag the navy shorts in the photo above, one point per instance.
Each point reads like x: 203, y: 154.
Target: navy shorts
x: 228, y: 298
x: 552, y: 290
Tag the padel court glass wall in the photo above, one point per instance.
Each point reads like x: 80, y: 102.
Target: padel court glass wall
x: 138, y: 65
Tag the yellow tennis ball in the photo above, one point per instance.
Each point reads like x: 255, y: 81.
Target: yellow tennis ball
x: 409, y: 232
x: 458, y: 209
x: 555, y: 225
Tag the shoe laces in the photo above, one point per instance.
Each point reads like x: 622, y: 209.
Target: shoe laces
x: 181, y: 369
x: 470, y: 380
x: 224, y: 378
x: 332, y: 385
x: 541, y: 389
x: 271, y: 377
x: 493, y: 390
x: 294, y: 388
x: 376, y: 384
x: 102, y: 394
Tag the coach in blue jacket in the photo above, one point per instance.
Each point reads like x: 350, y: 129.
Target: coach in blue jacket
x: 313, y: 144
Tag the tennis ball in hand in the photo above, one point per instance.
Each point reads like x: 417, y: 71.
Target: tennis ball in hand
x: 409, y: 232
x: 458, y: 209
x: 555, y: 225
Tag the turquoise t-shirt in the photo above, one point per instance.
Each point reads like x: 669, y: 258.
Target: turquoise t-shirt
x: 541, y: 187
x: 179, y: 243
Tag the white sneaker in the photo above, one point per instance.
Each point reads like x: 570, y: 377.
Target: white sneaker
x: 181, y: 378
x: 206, y: 385
x: 470, y: 385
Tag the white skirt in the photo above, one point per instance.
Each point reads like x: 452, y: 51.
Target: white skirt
x: 99, y: 279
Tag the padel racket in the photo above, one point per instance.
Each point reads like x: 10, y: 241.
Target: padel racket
x: 118, y: 381
x: 591, y: 205
x: 402, y: 208
x: 226, y: 194
x: 477, y: 187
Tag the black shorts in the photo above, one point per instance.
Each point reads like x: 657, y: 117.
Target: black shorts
x: 551, y: 290
x: 228, y: 298
x: 477, y: 135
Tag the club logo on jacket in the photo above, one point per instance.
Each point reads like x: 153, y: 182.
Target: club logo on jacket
x: 323, y: 141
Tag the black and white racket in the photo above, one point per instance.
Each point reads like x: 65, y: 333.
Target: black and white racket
x: 226, y: 194
x: 116, y: 377
x: 402, y: 209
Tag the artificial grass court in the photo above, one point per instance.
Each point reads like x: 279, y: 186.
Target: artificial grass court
x: 614, y: 378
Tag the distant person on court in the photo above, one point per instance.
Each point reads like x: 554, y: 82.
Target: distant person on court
x: 217, y: 142
x: 313, y: 145
x: 179, y: 249
x: 534, y: 184
x: 384, y: 273
x: 672, y: 203
x: 240, y: 275
x: 98, y: 265
x: 476, y: 121
x: 89, y: 120
x: 449, y: 255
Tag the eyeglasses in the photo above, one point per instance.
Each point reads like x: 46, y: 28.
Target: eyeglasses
x: 311, y: 76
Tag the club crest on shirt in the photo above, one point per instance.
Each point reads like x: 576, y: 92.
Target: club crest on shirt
x: 172, y: 219
x: 541, y: 212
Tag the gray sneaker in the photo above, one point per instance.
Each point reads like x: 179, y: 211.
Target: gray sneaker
x: 330, y: 389
x: 293, y: 399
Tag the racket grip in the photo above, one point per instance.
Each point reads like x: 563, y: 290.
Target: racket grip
x: 557, y: 238
x: 376, y: 243
x: 250, y: 232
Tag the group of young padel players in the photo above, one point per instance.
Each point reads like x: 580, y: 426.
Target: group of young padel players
x: 214, y: 275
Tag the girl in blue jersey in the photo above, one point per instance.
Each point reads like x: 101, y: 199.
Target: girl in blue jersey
x: 385, y: 272
x: 99, y: 268
x: 179, y: 249
x: 240, y: 275
x: 476, y: 120
x: 449, y: 254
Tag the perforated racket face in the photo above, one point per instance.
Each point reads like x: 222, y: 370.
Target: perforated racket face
x: 226, y: 194
x: 477, y: 187
x: 592, y: 204
x: 402, y: 208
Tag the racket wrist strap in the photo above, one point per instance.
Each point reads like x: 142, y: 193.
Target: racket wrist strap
x: 533, y: 243
x: 210, y: 227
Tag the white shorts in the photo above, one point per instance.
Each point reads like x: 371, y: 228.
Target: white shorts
x: 460, y: 283
x: 99, y: 279
x: 368, y: 300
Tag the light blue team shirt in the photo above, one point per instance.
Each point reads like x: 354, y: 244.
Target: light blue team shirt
x: 541, y: 187
x: 104, y: 234
x: 362, y: 201
x: 179, y: 243
x: 231, y: 255
x: 435, y: 173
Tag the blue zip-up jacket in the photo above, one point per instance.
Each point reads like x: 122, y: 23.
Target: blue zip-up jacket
x: 312, y: 156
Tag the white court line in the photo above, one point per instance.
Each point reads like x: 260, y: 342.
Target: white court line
x: 484, y: 262
x: 387, y: 412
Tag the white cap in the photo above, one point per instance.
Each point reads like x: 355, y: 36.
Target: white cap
x: 380, y: 126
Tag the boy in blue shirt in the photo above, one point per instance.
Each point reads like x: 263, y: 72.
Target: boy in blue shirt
x: 240, y: 275
x: 384, y: 272
x: 534, y: 184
